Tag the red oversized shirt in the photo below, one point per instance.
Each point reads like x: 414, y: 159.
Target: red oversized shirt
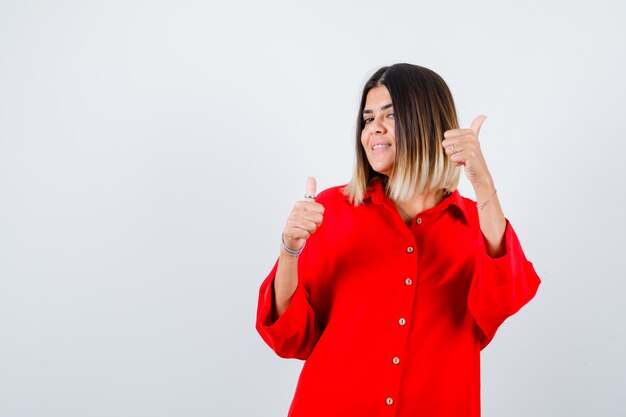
x: 391, y: 319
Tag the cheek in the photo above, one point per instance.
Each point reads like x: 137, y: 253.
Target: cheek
x: 363, y: 139
x: 392, y: 132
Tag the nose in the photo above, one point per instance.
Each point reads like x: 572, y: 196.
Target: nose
x: 377, y: 126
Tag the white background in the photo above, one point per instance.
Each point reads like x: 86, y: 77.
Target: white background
x: 151, y: 150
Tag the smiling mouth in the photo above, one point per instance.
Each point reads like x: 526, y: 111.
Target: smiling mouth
x: 380, y: 146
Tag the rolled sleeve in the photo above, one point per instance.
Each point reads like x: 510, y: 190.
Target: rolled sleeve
x: 295, y: 332
x: 501, y: 286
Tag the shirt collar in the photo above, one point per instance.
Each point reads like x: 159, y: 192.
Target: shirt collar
x: 376, y: 194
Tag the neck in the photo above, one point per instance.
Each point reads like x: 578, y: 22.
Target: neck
x: 418, y: 203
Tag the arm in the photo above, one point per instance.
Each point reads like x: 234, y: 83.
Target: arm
x: 303, y: 221
x: 293, y: 334
x: 500, y: 286
x: 491, y: 219
x: 286, y: 281
x: 463, y: 148
x: 504, y: 280
x: 285, y: 318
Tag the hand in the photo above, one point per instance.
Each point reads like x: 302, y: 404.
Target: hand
x: 304, y: 219
x: 463, y: 148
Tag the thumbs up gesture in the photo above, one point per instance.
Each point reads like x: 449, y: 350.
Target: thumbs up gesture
x: 304, y: 219
x: 463, y: 148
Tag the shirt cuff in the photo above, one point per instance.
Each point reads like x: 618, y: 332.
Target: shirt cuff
x: 289, y: 334
x: 501, y: 286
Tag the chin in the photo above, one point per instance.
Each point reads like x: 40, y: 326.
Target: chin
x: 382, y: 171
x: 381, y: 167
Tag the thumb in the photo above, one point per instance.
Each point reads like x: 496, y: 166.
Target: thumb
x: 477, y: 123
x: 311, y: 186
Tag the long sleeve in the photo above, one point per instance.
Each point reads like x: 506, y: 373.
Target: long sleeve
x: 295, y: 332
x: 501, y: 286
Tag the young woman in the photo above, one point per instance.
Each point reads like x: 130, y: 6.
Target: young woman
x: 390, y: 286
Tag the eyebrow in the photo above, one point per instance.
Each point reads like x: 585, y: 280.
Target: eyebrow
x: 385, y: 107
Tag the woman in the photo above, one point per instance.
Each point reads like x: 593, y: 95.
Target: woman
x: 402, y: 281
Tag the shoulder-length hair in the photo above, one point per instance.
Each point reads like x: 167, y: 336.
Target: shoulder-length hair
x: 423, y: 110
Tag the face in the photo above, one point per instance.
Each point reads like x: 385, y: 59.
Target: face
x: 378, y: 136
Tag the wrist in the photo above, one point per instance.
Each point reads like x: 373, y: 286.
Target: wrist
x: 288, y: 250
x: 484, y: 186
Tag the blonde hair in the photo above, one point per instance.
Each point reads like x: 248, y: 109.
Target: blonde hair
x: 423, y: 110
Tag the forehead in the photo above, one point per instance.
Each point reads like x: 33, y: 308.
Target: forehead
x: 377, y: 97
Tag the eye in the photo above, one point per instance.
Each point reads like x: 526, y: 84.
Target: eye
x: 391, y: 115
x: 366, y: 121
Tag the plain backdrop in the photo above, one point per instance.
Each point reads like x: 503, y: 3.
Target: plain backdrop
x: 150, y: 152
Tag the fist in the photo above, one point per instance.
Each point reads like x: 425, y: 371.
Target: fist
x: 463, y: 148
x: 304, y: 219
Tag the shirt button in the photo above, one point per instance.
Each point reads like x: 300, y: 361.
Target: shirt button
x: 389, y: 401
x: 419, y: 220
x: 409, y: 249
x: 402, y: 321
x: 408, y: 281
x: 395, y: 360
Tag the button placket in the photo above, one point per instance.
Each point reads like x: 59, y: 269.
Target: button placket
x: 406, y: 286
